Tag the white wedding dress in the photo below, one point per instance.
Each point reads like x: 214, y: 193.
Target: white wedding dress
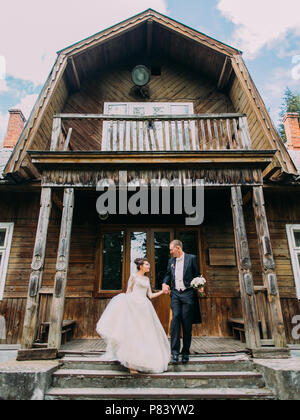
x: 132, y: 330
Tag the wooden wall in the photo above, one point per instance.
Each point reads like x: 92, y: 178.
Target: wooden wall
x: 222, y: 299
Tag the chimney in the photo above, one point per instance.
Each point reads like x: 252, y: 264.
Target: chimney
x: 16, y: 123
x: 292, y: 130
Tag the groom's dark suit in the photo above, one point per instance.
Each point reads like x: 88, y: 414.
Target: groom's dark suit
x: 185, y: 305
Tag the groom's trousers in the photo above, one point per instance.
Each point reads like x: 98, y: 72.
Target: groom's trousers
x: 182, y: 305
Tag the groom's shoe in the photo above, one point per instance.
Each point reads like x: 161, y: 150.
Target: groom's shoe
x: 175, y: 359
x: 185, y: 358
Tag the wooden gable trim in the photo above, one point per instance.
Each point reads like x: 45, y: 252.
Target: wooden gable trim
x: 262, y: 114
x: 32, y: 126
x: 150, y: 16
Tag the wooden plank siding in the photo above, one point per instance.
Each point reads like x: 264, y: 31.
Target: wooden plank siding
x: 223, y: 296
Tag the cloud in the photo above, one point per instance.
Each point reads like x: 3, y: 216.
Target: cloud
x: 3, y: 86
x: 273, y: 91
x: 33, y: 34
x: 27, y: 104
x: 261, y: 23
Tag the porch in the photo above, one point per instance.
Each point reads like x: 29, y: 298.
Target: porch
x: 200, y: 346
x: 214, y: 148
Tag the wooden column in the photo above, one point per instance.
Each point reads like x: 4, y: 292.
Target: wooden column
x: 245, y: 274
x: 37, y: 267
x: 268, y: 267
x: 62, y: 264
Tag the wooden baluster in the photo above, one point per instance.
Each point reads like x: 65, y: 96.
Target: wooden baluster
x: 194, y: 134
x: 210, y: 137
x: 247, y: 133
x: 223, y: 137
x: 181, y: 144
x: 37, y: 267
x: 168, y: 136
x: 217, y: 134
x: 229, y: 135
x: 236, y: 134
x: 146, y: 136
x: 62, y: 263
x: 245, y: 273
x: 152, y: 139
x: 203, y: 135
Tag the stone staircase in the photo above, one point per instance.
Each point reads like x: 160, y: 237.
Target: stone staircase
x: 225, y: 377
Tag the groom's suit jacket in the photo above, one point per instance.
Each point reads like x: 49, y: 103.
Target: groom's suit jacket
x: 190, y: 271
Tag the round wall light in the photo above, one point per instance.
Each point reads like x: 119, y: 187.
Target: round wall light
x: 140, y: 75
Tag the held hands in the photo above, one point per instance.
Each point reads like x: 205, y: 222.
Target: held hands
x: 165, y: 289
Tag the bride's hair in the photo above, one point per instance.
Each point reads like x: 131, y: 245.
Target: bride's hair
x: 139, y: 262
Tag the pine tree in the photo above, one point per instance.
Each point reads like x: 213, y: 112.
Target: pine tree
x: 291, y: 103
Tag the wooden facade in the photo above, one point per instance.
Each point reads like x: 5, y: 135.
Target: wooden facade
x: 55, y: 270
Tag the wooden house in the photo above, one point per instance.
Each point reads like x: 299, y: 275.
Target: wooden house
x: 199, y: 116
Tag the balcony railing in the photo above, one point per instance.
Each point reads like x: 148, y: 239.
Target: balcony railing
x: 161, y: 133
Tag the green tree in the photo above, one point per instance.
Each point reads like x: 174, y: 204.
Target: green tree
x: 291, y: 103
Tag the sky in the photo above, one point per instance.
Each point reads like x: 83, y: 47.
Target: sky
x: 267, y: 31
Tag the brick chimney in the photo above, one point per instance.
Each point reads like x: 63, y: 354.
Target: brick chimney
x: 292, y: 130
x: 15, y: 126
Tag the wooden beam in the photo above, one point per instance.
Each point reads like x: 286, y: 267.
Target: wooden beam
x: 37, y: 266
x: 62, y: 264
x: 149, y: 38
x: 225, y: 73
x: 268, y: 267
x: 56, y: 133
x: 245, y: 273
x: 75, y: 73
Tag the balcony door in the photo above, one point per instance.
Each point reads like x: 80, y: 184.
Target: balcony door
x: 119, y: 248
x: 139, y: 135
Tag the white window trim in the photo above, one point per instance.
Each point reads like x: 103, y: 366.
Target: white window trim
x: 5, y: 251
x: 130, y: 108
x: 294, y: 252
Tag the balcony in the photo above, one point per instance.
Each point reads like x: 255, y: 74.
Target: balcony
x: 159, y: 133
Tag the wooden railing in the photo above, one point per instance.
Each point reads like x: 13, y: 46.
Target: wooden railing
x: 162, y: 133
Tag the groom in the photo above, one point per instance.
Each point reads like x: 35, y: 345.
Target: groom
x: 182, y: 269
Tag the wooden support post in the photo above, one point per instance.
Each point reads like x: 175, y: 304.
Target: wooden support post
x: 268, y: 266
x: 56, y: 133
x: 62, y: 263
x: 37, y: 267
x: 245, y: 274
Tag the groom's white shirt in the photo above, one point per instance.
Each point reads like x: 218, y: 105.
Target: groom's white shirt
x: 179, y: 283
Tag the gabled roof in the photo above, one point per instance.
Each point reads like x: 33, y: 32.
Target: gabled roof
x: 144, y: 31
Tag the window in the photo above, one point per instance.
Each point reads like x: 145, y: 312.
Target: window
x: 293, y: 233
x: 139, y: 135
x: 6, y: 233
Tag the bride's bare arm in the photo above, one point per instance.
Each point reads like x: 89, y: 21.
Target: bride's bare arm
x: 153, y: 295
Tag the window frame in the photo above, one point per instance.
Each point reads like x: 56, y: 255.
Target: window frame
x: 5, y: 252
x: 295, y: 253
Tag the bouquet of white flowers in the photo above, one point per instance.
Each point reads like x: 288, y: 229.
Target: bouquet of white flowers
x: 199, y: 283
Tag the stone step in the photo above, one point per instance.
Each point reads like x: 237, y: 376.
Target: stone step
x: 80, y: 378
x: 171, y: 394
x: 196, y: 364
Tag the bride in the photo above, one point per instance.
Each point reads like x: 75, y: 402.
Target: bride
x: 131, y: 328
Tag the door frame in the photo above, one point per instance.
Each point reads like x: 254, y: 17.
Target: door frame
x: 150, y: 229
